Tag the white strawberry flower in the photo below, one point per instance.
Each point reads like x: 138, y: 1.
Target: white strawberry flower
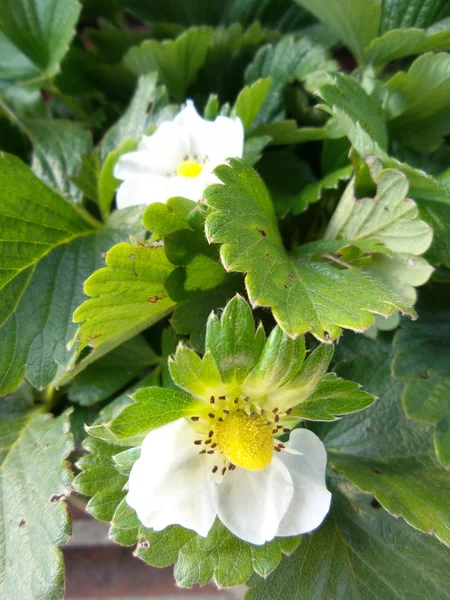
x: 178, y: 159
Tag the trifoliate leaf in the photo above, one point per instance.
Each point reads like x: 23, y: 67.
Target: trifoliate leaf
x: 177, y: 62
x: 36, y: 38
x: 422, y: 361
x: 383, y: 452
x: 35, y: 339
x: 34, y: 479
x: 361, y: 552
x: 398, y: 14
x: 355, y: 23
x: 419, y: 106
x: 304, y: 296
x: 312, y: 192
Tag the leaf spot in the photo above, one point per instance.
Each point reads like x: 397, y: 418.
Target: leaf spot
x: 375, y: 504
x: 375, y: 470
x: 262, y: 232
x: 22, y: 522
x: 154, y: 299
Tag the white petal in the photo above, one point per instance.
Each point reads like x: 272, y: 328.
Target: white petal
x: 168, y: 146
x: 143, y: 189
x: 311, y: 500
x: 252, y: 503
x: 189, y: 117
x: 171, y: 483
x: 226, y: 140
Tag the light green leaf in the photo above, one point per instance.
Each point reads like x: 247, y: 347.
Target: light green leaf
x: 422, y: 361
x: 384, y: 453
x: 250, y: 100
x: 233, y: 342
x: 34, y: 220
x: 111, y: 372
x: 360, y: 553
x: 86, y: 178
x: 152, y: 408
x: 107, y: 183
x: 177, y: 62
x: 58, y: 147
x: 34, y: 339
x: 285, y: 62
x: 304, y: 296
x: 134, y: 122
x: 355, y: 23
x: 287, y: 132
x: 437, y: 214
x: 40, y: 31
x: 419, y: 107
x: 33, y: 480
x: 398, y: 43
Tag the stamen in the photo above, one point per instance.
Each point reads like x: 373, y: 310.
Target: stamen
x: 211, y: 415
x: 198, y: 442
x: 210, y: 452
x: 213, y: 445
x: 281, y: 446
x: 246, y: 399
x: 236, y: 400
x: 277, y: 418
x: 286, y: 430
x: 226, y: 412
x: 208, y: 441
x: 202, y: 452
x: 222, y: 397
x: 262, y: 411
x: 195, y: 418
x: 253, y: 414
x: 275, y: 410
x: 220, y: 420
x: 215, y: 469
x: 275, y: 430
x: 277, y: 449
x: 289, y: 410
x: 212, y: 400
x: 211, y: 433
x: 224, y: 470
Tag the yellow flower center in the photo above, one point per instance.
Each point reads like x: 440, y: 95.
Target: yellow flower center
x: 246, y: 440
x: 189, y: 168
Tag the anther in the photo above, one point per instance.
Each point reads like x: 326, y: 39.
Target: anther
x: 262, y: 411
x: 210, y: 452
x: 275, y: 410
x: 289, y: 410
x: 208, y: 441
x: 215, y: 469
x: 211, y: 415
x: 213, y: 445
x: 277, y: 449
x: 275, y: 430
x: 268, y: 422
x: 198, y: 442
x: 227, y: 412
x: 202, y: 452
x: 253, y: 414
x: 212, y: 400
x: 211, y: 433
x: 220, y: 420
x: 276, y: 418
x: 246, y: 399
x: 236, y: 400
x: 222, y: 397
x: 281, y: 446
x: 224, y: 470
x: 195, y: 418
x: 286, y: 430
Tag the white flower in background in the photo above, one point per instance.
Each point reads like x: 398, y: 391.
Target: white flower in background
x: 178, y: 159
x: 225, y: 461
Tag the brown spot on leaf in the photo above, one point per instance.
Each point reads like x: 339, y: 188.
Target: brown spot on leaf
x: 262, y: 232
x: 292, y: 277
x: 369, y: 429
x: 154, y: 299
x: 375, y: 504
x: 424, y: 375
x: 22, y: 522
x: 132, y: 256
x: 375, y: 470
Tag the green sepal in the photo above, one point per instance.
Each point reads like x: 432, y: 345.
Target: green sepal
x: 197, y: 376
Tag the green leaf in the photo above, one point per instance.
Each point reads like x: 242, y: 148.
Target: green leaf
x: 177, y: 62
x: 422, y: 361
x: 34, y: 339
x: 33, y: 479
x: 134, y: 121
x: 304, y: 296
x: 362, y: 110
x: 283, y: 63
x: 58, y: 147
x: 106, y: 182
x: 250, y: 100
x: 437, y: 214
x: 34, y: 220
x: 152, y: 408
x: 398, y: 43
x: 420, y: 103
x: 384, y: 453
x: 111, y: 372
x: 355, y: 23
x: 362, y: 553
x: 286, y: 176
x: 40, y: 33
x: 313, y: 192
x: 287, y: 132
x: 410, y: 13
x: 233, y: 342
x: 86, y: 179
